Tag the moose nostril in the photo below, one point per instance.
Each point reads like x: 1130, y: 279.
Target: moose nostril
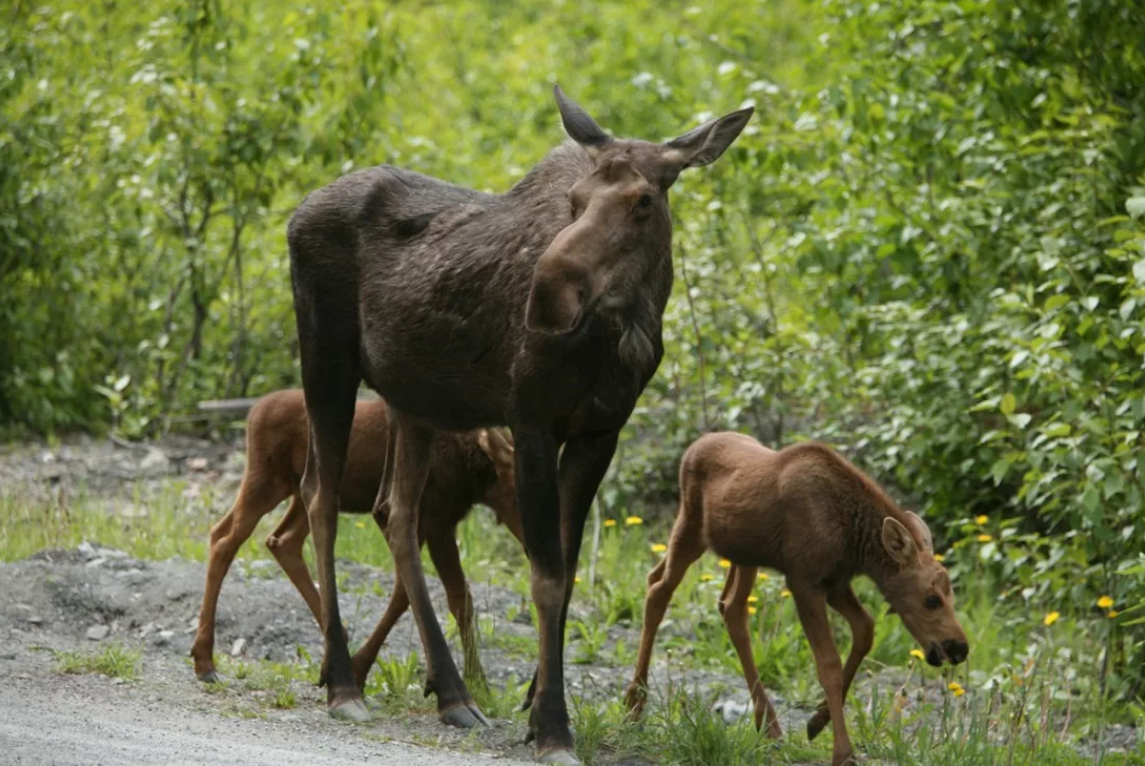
x: 934, y: 656
x: 957, y: 651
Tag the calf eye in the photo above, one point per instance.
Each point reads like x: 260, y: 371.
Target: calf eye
x: 932, y: 602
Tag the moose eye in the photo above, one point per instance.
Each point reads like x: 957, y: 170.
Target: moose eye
x: 644, y: 202
x: 932, y: 602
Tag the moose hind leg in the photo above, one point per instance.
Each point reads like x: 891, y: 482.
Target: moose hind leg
x: 328, y: 340
x: 412, y: 450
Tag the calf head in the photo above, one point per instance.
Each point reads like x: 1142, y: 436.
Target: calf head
x: 918, y: 589
x: 621, y: 228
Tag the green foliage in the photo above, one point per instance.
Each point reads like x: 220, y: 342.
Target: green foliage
x: 113, y: 660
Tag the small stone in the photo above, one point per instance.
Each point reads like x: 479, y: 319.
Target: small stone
x: 25, y: 607
x: 34, y: 619
x: 86, y: 549
x: 98, y: 632
x: 147, y: 630
x: 96, y: 562
x: 155, y: 460
x: 198, y: 464
x: 47, y: 457
x: 238, y: 647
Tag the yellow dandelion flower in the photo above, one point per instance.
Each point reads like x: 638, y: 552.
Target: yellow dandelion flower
x: 985, y: 538
x: 1112, y: 613
x: 752, y: 599
x: 659, y: 547
x: 360, y: 524
x: 707, y: 577
x: 764, y: 576
x: 785, y: 593
x: 917, y: 653
x: 980, y: 520
x: 633, y: 521
x: 1105, y: 602
x: 1051, y: 618
x: 576, y: 579
x: 956, y: 688
x: 752, y: 610
x: 610, y: 522
x: 939, y: 557
x: 725, y: 564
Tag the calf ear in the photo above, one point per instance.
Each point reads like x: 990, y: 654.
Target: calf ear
x: 555, y: 301
x: 921, y: 529
x: 899, y: 542
x: 704, y: 145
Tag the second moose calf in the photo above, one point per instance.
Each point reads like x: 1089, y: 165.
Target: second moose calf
x: 808, y: 513
x: 465, y: 468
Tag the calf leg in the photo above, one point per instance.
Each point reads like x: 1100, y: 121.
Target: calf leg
x: 411, y: 466
x: 256, y: 499
x: 843, y: 600
x: 285, y: 543
x: 447, y: 559
x: 685, y: 546
x: 811, y: 604
x: 735, y: 613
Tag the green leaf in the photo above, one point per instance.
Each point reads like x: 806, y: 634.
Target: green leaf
x: 1020, y: 419
x: 1057, y: 429
x: 1139, y: 270
x: 1009, y: 402
x: 1135, y: 206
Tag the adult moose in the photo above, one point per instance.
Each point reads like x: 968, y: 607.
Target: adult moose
x: 539, y: 309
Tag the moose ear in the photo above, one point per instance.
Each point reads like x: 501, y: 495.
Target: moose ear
x: 899, y: 542
x: 580, y: 127
x: 556, y: 299
x: 704, y: 145
x: 921, y: 529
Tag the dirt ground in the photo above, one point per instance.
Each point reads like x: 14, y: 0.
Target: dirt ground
x: 85, y: 597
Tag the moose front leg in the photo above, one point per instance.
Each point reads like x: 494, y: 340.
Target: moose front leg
x: 843, y: 600
x: 583, y: 463
x: 811, y: 604
x: 539, y: 505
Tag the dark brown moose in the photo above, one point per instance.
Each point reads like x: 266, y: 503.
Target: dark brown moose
x: 464, y: 468
x: 539, y: 309
x: 808, y: 513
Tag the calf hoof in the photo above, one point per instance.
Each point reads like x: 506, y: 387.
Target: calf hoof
x: 564, y: 756
x: 634, y: 700
x: 208, y: 676
x: 464, y: 716
x: 352, y: 709
x: 816, y: 723
x: 845, y: 759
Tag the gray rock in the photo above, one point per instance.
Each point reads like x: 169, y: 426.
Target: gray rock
x: 238, y: 647
x: 98, y: 632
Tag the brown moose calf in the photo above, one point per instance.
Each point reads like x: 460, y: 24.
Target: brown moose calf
x: 808, y: 513
x: 465, y: 468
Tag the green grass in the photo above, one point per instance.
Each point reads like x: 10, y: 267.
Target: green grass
x: 1031, y: 690
x: 112, y: 660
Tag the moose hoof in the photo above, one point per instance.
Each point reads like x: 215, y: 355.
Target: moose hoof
x: 465, y: 716
x: 208, y: 676
x: 563, y: 756
x: 815, y: 725
x: 350, y: 710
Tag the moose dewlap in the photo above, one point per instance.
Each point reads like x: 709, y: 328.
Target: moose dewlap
x: 808, y: 513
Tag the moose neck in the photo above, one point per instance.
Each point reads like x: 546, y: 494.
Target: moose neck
x: 871, y: 507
